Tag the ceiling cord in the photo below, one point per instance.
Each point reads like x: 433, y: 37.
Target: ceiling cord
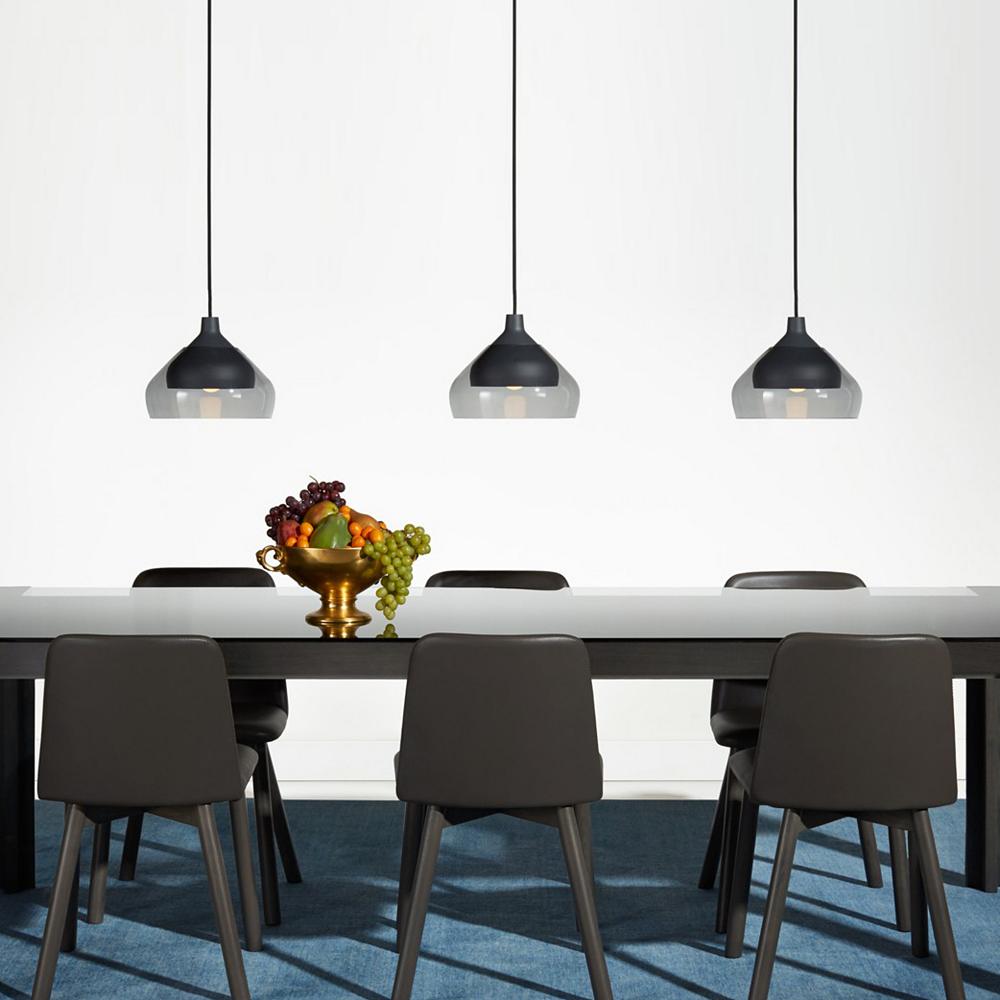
x: 208, y: 161
x: 513, y: 158
x: 795, y: 152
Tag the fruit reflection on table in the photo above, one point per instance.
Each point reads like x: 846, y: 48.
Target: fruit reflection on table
x: 322, y: 523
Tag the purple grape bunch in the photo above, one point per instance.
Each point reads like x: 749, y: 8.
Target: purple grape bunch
x: 294, y: 508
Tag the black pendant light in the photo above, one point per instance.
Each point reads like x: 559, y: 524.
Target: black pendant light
x: 210, y: 377
x: 515, y: 376
x: 796, y: 378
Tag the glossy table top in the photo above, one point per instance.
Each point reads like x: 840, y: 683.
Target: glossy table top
x: 28, y: 614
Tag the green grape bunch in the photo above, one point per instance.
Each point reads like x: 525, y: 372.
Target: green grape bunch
x: 396, y: 553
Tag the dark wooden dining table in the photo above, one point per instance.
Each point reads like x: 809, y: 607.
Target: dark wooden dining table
x: 629, y: 633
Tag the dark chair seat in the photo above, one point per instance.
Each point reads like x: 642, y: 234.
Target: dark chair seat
x: 395, y: 766
x: 741, y: 766
x: 260, y: 723
x: 246, y: 761
x: 734, y: 728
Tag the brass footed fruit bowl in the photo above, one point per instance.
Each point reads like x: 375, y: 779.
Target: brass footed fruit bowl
x: 337, y: 575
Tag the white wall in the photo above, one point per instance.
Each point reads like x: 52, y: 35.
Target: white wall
x: 362, y: 259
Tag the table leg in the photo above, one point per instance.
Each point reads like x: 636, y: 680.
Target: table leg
x: 982, y: 764
x: 17, y: 785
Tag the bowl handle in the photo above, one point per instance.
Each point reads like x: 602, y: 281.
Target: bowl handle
x: 278, y: 566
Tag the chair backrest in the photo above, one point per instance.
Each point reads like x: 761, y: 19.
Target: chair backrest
x: 499, y: 722
x: 856, y: 722
x: 749, y: 695
x: 500, y: 579
x: 801, y: 579
x: 264, y: 691
x: 204, y: 576
x: 137, y: 721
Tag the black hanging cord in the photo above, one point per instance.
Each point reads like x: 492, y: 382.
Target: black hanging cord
x: 795, y: 152
x: 208, y: 161
x: 513, y: 159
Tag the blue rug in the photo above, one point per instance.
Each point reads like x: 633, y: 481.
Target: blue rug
x: 501, y: 922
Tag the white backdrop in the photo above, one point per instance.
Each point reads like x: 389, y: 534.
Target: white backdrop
x: 362, y: 259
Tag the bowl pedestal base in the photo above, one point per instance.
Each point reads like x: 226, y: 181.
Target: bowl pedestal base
x: 338, y: 621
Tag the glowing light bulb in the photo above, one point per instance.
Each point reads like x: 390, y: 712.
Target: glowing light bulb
x: 515, y: 406
x: 209, y: 405
x: 797, y: 407
x: 515, y: 388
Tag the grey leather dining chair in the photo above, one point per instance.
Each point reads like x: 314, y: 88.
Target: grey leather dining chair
x: 735, y: 716
x: 496, y: 724
x: 853, y: 726
x: 260, y: 712
x: 112, y: 705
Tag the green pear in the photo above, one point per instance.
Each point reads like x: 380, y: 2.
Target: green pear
x: 330, y: 533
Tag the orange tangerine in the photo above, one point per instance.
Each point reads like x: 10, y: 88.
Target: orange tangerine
x: 357, y: 542
x: 305, y: 529
x: 354, y: 528
x: 376, y: 535
x: 303, y: 542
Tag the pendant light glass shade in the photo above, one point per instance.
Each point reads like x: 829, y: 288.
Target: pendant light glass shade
x: 514, y: 377
x: 796, y: 380
x: 210, y: 379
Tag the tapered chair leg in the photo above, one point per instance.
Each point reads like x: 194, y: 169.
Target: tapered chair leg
x: 951, y: 971
x: 62, y: 890
x: 222, y: 903
x: 265, y: 839
x: 579, y: 878
x: 713, y: 852
x: 585, y: 826
x: 869, y: 851
x: 68, y: 943
x: 244, y: 873
x: 430, y: 843
x: 99, y: 873
x: 289, y: 860
x: 742, y: 873
x: 919, y: 933
x: 730, y: 829
x: 130, y: 849
x: 774, y: 908
x: 900, y: 877
x: 413, y: 824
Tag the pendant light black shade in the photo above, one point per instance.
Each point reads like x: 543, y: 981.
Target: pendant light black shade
x: 796, y: 378
x: 796, y: 361
x: 209, y: 378
x: 515, y: 377
x: 514, y: 358
x: 210, y: 360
